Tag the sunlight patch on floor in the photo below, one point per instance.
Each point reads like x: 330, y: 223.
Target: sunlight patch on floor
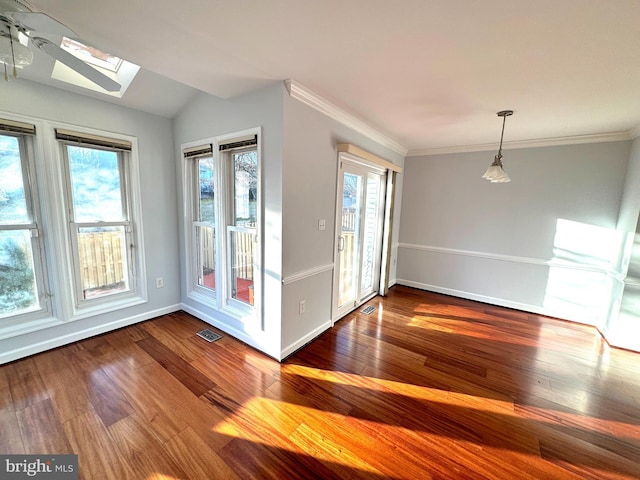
x: 423, y: 322
x: 247, y: 424
x: 466, y: 401
x: 399, y: 388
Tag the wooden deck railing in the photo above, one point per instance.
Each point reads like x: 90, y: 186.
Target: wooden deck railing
x: 102, y: 259
x: 243, y: 257
x: 103, y: 262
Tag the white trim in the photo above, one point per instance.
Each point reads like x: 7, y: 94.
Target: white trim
x: 476, y: 297
x: 535, y: 143
x: 17, y: 329
x: 494, y: 301
x: 307, y: 273
x: 109, y: 305
x: 241, y: 335
x: 221, y: 301
x: 510, y: 258
x: 315, y: 101
x: 370, y: 157
x: 472, y: 253
x: 54, y: 342
x: 634, y: 132
x: 301, y: 342
x: 77, y: 307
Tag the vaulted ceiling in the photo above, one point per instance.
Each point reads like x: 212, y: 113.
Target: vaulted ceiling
x: 428, y: 73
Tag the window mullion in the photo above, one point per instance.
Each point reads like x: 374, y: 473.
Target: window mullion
x: 19, y: 226
x: 120, y: 223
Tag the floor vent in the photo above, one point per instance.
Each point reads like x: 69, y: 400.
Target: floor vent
x: 368, y: 310
x: 208, y: 335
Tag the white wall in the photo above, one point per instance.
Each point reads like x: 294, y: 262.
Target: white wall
x: 310, y: 169
x: 205, y: 117
x: 546, y: 242
x: 159, y: 205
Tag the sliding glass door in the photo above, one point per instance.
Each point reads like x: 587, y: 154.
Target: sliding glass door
x: 359, y: 222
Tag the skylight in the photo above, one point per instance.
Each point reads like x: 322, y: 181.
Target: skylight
x: 91, y: 55
x: 114, y: 67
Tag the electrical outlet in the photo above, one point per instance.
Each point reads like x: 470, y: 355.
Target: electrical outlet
x: 303, y: 306
x: 159, y: 282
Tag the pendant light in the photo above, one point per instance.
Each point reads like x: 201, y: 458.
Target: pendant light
x: 495, y: 173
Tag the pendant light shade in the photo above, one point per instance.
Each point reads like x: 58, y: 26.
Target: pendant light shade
x: 495, y: 173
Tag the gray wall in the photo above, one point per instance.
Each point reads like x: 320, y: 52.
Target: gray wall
x: 310, y: 169
x: 205, y: 117
x: 546, y: 242
x: 299, y: 160
x: 159, y: 205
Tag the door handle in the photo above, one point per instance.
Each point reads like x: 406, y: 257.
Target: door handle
x: 341, y: 243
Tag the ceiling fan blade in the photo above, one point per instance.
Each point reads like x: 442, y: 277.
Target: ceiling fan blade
x: 76, y: 64
x: 40, y: 22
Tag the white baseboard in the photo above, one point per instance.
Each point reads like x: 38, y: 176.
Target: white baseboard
x: 288, y: 350
x: 500, y: 302
x: 234, y: 332
x: 252, y: 341
x: 58, y: 341
x: 476, y: 297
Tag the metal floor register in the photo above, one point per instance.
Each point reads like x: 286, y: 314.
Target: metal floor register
x: 209, y: 335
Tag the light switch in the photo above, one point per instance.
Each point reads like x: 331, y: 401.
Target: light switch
x: 321, y: 224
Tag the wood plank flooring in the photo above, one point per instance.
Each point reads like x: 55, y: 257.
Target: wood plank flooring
x: 427, y: 386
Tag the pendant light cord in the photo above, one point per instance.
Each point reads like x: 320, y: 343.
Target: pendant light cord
x: 504, y: 120
x: 13, y: 56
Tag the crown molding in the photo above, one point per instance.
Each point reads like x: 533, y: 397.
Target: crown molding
x: 315, y: 101
x: 634, y: 132
x: 537, y: 143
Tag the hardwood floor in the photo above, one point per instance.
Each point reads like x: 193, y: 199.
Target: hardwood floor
x: 427, y: 386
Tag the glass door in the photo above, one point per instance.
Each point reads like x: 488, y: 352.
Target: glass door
x: 372, y: 235
x: 359, y: 219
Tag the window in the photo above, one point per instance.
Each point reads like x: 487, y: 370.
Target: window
x: 204, y: 217
x: 98, y: 205
x: 242, y: 172
x: 224, y: 203
x: 23, y: 287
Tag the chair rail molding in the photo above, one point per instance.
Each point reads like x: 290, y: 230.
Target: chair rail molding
x: 307, y: 273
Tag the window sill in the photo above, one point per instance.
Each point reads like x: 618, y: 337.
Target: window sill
x: 203, y: 298
x: 240, y: 312
x: 237, y: 312
x: 87, y: 311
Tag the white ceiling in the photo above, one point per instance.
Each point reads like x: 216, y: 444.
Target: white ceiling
x: 427, y: 73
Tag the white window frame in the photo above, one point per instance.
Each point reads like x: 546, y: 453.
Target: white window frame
x: 220, y: 300
x: 30, y: 186
x: 208, y: 295
x: 130, y: 189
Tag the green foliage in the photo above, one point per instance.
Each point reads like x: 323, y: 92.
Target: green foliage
x: 17, y: 289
